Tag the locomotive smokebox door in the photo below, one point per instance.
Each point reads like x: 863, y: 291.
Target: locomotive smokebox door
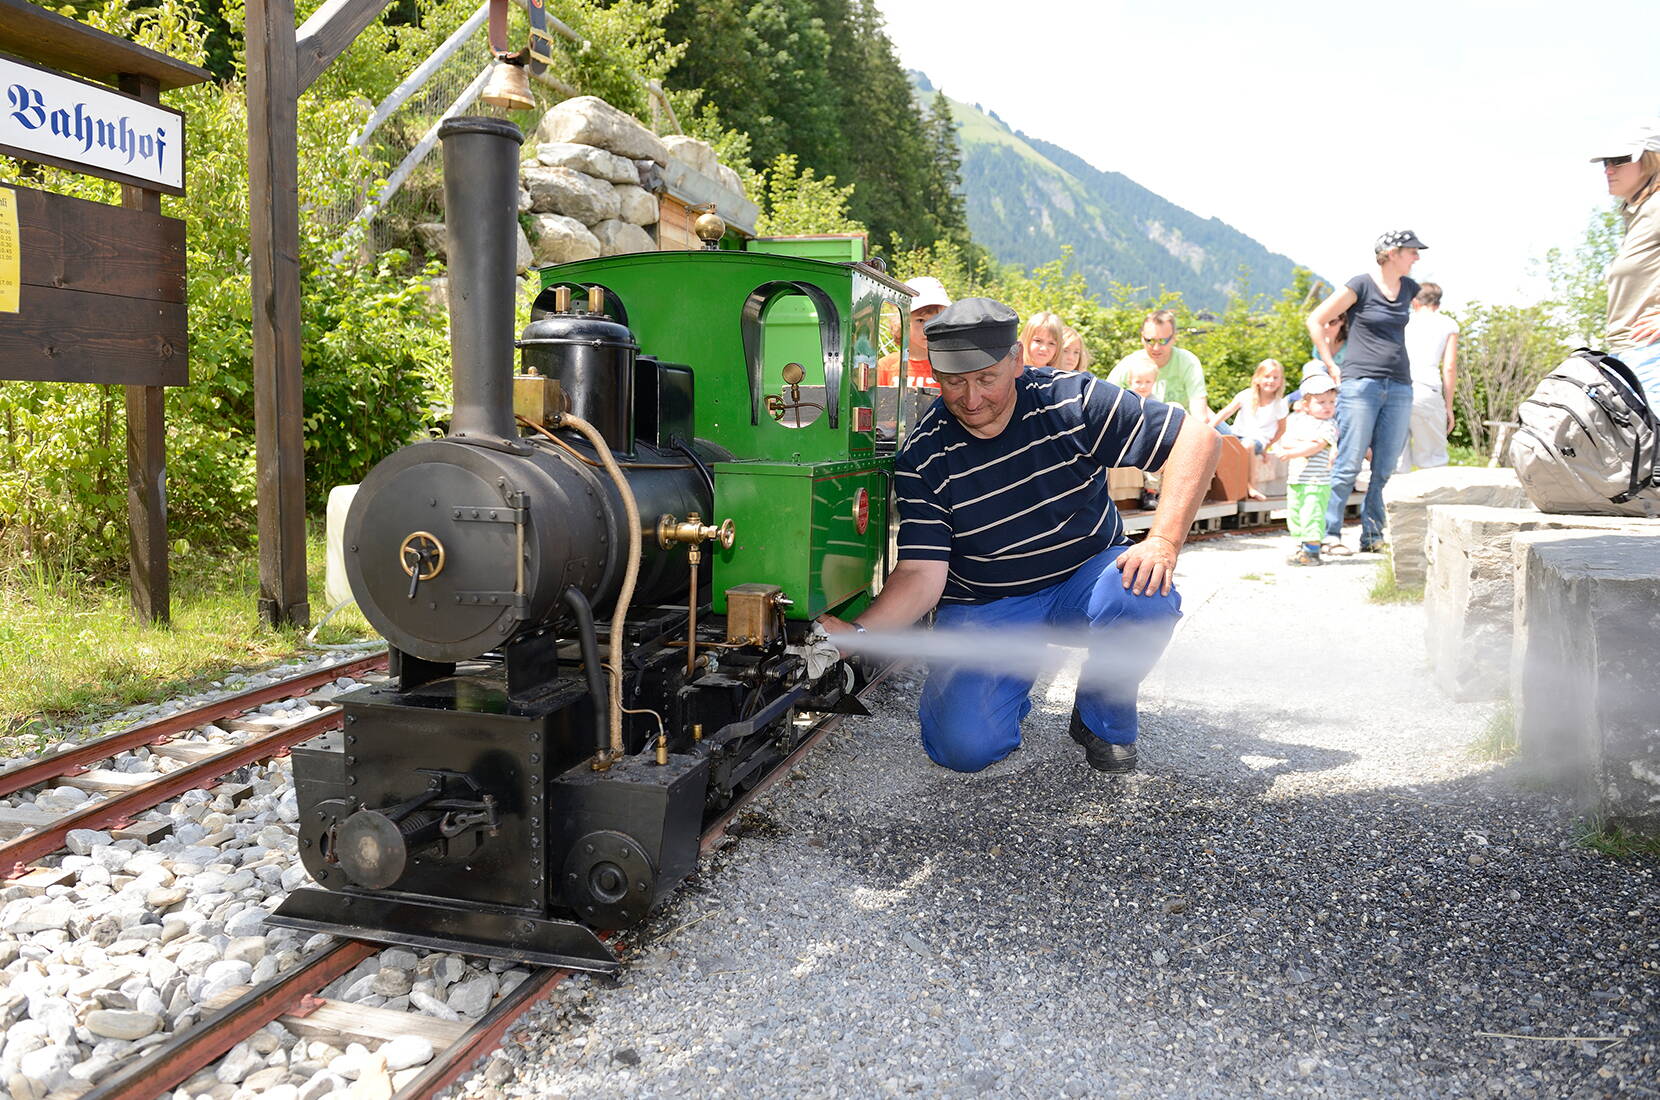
x: 623, y: 838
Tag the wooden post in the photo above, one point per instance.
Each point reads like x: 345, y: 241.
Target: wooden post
x: 146, y: 442
x: 274, y: 231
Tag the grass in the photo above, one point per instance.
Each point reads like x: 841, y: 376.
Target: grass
x: 1460, y: 455
x: 72, y: 654
x: 1385, y: 590
x: 1617, y: 842
x: 1497, y: 741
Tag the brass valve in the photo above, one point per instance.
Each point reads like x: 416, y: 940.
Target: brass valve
x: 692, y: 531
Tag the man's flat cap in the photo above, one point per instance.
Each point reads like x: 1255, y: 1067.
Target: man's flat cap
x: 971, y: 335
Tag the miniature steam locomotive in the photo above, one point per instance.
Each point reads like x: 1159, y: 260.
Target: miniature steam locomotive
x: 592, y: 585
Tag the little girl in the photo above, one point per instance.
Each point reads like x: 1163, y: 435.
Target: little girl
x: 1262, y: 411
x: 1042, y: 339
x: 1074, y: 355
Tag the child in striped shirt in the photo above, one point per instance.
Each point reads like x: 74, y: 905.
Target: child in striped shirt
x: 1310, y: 441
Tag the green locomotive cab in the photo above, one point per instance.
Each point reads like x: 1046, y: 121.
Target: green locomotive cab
x: 782, y: 350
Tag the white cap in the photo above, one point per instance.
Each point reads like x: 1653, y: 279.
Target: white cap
x: 1632, y: 141
x: 929, y: 291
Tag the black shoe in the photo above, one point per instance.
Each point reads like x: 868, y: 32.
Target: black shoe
x: 1103, y: 756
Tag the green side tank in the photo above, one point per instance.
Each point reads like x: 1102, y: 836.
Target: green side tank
x: 783, y: 351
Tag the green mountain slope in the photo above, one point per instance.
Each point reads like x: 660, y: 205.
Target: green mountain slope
x: 1027, y: 198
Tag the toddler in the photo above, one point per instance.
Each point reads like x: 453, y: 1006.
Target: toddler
x: 1309, y: 441
x: 1144, y: 382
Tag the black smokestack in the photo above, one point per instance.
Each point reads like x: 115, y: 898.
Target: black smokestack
x: 481, y: 203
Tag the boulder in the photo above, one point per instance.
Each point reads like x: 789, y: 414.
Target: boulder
x: 639, y: 206
x: 571, y: 193
x: 560, y: 240
x: 733, y: 182
x: 1407, y: 497
x: 694, y: 154
x: 1469, y: 590
x: 1585, y: 669
x: 589, y: 159
x: 589, y: 120
x: 435, y: 240
x: 114, y: 1023
x: 617, y: 237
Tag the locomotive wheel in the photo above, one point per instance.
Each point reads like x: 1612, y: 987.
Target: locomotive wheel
x: 608, y: 879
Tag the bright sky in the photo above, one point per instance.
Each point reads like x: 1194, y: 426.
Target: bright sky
x: 1314, y: 127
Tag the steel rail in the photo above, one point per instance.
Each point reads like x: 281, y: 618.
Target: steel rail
x: 485, y: 1036
x: 172, y: 1063
x: 76, y: 760
x: 200, y: 1045
x: 117, y: 811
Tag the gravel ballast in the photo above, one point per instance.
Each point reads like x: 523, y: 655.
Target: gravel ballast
x: 1311, y: 887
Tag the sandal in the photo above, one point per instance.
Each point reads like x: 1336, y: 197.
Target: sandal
x: 1336, y: 549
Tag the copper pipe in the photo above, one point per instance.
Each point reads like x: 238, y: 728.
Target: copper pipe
x: 694, y: 556
x: 625, y: 594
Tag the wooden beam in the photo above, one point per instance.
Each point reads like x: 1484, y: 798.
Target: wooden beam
x: 29, y: 30
x: 274, y: 241
x: 327, y: 33
x: 147, y: 563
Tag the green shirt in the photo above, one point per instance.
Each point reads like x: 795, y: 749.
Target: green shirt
x: 1182, y: 379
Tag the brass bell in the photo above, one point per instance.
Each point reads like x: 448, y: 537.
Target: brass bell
x: 508, y: 87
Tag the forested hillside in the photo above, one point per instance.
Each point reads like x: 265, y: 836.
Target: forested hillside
x: 1027, y: 199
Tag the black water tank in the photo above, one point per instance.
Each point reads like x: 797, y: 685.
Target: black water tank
x: 592, y: 357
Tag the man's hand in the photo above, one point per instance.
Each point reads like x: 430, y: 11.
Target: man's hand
x: 817, y: 651
x: 1149, y: 566
x: 833, y: 625
x: 1449, y: 420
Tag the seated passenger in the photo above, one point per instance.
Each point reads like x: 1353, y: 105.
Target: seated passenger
x: 1261, y: 410
x: 930, y: 301
x: 1041, y: 340
x: 1074, y: 355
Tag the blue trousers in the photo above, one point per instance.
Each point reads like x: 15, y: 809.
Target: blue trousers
x: 1375, y: 414
x: 971, y: 717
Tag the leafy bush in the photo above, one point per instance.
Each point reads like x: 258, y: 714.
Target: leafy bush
x: 373, y: 351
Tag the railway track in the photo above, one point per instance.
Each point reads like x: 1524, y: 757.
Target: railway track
x: 293, y: 998
x: 205, y: 765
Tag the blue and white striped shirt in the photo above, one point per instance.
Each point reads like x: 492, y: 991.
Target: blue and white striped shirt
x: 1018, y: 513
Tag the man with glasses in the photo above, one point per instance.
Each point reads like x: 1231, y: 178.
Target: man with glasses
x: 1181, y: 378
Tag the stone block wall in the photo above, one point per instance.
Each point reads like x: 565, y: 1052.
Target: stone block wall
x: 1470, y: 592
x: 586, y: 183
x: 1586, y: 667
x: 1407, y: 498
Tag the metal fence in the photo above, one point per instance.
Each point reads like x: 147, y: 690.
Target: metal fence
x: 402, y: 132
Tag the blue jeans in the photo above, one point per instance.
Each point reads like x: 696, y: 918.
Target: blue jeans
x: 971, y: 717
x: 1372, y: 413
x: 1645, y: 364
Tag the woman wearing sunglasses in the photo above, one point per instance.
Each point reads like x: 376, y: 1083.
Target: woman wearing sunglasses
x: 1631, y: 164
x: 1374, y: 383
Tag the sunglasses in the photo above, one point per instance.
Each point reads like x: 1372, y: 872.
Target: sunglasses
x: 1615, y: 162
x: 1157, y: 342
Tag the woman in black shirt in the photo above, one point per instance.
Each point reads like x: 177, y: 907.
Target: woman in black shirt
x: 1374, y: 402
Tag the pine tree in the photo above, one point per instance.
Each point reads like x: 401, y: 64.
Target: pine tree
x: 946, y: 206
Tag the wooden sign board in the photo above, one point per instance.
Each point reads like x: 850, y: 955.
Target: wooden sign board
x: 102, y: 295
x: 55, y: 119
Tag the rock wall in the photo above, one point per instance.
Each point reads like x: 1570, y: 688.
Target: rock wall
x: 589, y: 184
x: 1470, y: 591
x: 1586, y: 669
x: 1406, y: 501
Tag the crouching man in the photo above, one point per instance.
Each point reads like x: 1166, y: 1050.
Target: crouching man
x: 1006, y: 524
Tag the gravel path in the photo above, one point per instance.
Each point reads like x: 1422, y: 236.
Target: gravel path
x: 1310, y: 888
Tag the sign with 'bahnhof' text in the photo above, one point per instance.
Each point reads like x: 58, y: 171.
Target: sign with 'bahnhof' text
x: 87, y: 128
